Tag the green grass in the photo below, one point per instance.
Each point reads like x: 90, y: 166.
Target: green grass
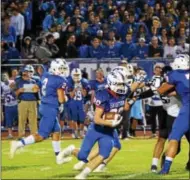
x: 132, y: 162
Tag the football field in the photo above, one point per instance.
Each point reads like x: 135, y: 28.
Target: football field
x: 132, y: 162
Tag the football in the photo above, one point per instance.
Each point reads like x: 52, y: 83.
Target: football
x: 109, y: 116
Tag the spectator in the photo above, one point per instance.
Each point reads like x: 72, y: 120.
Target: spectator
x: 163, y: 35
x: 51, y: 46
x: 182, y: 34
x: 182, y: 48
x: 17, y: 21
x: 61, y: 18
x: 142, y: 49
x: 155, y: 50
x: 170, y: 49
x: 70, y: 50
x: 142, y: 32
x: 111, y: 50
x: 128, y: 49
x: 26, y: 88
x: 28, y: 49
x: 8, y: 33
x: 96, y: 50
x: 128, y: 26
x: 14, y: 73
x: 115, y: 24
x: 9, y: 52
x: 42, y: 52
x: 49, y: 20
x: 172, y: 32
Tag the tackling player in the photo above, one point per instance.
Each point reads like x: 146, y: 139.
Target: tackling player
x: 179, y: 78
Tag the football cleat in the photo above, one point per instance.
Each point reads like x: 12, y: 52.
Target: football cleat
x: 79, y: 166
x: 14, y: 147
x: 63, y: 160
x: 65, y: 152
x: 154, y: 168
x: 100, y: 168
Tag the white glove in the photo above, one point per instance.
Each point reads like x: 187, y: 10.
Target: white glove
x: 61, y: 108
x: 117, y: 120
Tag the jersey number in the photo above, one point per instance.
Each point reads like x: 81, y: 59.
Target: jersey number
x: 187, y: 76
x: 9, y: 98
x: 78, y: 96
x: 44, y: 84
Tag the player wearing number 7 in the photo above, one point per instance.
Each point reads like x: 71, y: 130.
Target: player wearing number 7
x: 52, y: 95
x: 179, y: 78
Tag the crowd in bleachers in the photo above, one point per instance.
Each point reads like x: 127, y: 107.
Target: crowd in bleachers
x: 134, y: 29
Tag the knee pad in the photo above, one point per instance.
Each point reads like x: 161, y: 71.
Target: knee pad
x: 82, y: 156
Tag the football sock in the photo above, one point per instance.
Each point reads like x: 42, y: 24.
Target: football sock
x: 155, y: 161
x: 86, y: 171
x: 56, y: 147
x: 28, y: 140
x: 167, y: 164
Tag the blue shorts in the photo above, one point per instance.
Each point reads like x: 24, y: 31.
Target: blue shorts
x: 117, y: 143
x: 11, y: 114
x: 181, y: 124
x: 136, y: 110
x: 77, y: 111
x: 105, y: 143
x: 49, y: 122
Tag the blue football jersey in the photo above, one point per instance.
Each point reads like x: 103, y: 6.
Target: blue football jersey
x: 95, y: 84
x: 180, y: 79
x: 50, y: 85
x: 110, y: 102
x: 83, y: 84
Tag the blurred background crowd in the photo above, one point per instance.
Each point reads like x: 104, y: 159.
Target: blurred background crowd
x: 134, y: 29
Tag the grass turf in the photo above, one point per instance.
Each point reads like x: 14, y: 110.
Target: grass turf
x: 132, y: 162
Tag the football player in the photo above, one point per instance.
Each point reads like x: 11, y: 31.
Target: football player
x: 179, y: 78
x: 109, y: 100
x: 10, y: 103
x: 77, y: 88
x: 52, y: 95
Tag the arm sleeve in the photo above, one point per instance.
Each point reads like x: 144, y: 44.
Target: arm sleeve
x: 99, y: 100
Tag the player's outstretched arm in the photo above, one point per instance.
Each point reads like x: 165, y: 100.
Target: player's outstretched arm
x: 164, y: 88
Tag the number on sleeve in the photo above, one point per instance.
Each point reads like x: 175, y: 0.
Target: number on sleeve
x: 44, y: 84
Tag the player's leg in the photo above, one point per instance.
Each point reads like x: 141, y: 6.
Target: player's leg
x: 45, y: 128
x: 115, y: 149
x: 104, y: 152
x: 153, y: 120
x: 81, y: 120
x: 87, y: 145
x: 56, y: 143
x: 32, y: 116
x: 10, y: 115
x: 75, y: 114
x: 180, y: 127
x: 163, y: 135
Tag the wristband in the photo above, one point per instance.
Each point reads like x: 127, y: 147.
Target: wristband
x: 130, y: 102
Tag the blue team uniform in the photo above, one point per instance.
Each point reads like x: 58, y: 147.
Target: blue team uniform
x: 49, y: 104
x: 180, y: 79
x: 10, y: 104
x: 76, y: 105
x: 106, y: 137
x: 95, y: 84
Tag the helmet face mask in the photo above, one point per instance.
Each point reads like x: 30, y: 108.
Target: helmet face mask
x: 116, y: 82
x: 55, y: 68
x: 64, y: 68
x: 181, y: 62
x: 76, y: 75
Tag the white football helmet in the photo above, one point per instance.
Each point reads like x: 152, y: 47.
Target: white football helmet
x: 116, y: 82
x: 76, y: 75
x: 181, y: 62
x: 30, y: 69
x: 125, y: 72
x: 64, y: 67
x: 141, y: 76
x: 55, y: 68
